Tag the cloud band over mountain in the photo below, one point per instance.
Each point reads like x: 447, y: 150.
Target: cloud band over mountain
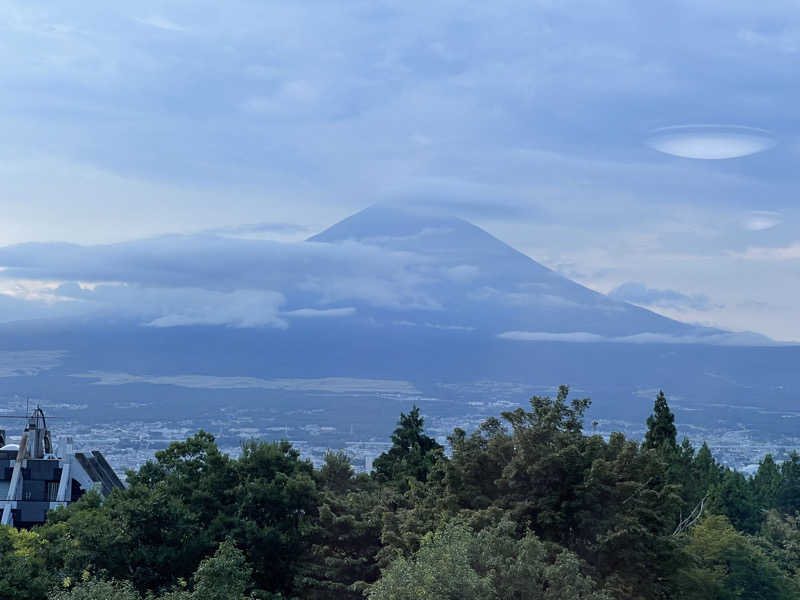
x: 382, y: 266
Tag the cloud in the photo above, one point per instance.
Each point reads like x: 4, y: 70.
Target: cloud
x: 450, y: 327
x: 178, y: 306
x: 638, y: 293
x: 213, y: 280
x: 258, y: 230
x: 181, y: 307
x: 526, y: 116
x: 28, y: 363
x: 781, y: 253
x: 544, y: 336
x: 582, y: 337
x: 710, y: 141
x: 336, y: 385
x: 160, y: 22
x: 316, y: 313
x: 761, y: 220
x: 537, y: 298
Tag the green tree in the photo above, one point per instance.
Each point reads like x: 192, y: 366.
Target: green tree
x: 97, y: 589
x: 412, y: 454
x: 23, y: 572
x: 766, y: 483
x: 661, y: 430
x: 87, y: 536
x: 344, y: 538
x: 276, y: 498
x: 179, y: 507
x: 705, y: 473
x: 728, y: 565
x: 733, y: 497
x: 477, y: 464
x: 610, y: 502
x: 224, y: 576
x: 442, y: 568
x: 456, y: 563
x: 336, y: 473
x: 787, y: 498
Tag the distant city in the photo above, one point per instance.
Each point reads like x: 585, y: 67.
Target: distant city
x: 128, y: 444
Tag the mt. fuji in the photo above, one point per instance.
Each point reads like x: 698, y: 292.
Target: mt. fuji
x: 469, y: 280
x: 324, y: 341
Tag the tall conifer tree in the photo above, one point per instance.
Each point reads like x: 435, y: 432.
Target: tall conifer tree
x: 661, y: 428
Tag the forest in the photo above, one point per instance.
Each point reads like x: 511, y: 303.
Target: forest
x: 528, y: 506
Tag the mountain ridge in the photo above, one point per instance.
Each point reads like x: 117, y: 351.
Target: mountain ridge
x: 517, y: 291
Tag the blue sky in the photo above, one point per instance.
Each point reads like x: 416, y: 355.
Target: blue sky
x: 531, y: 119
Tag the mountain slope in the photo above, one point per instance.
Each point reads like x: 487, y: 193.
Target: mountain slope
x: 480, y: 282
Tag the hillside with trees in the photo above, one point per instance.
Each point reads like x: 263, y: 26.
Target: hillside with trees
x: 528, y: 506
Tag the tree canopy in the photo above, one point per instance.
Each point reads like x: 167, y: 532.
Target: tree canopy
x: 525, y: 506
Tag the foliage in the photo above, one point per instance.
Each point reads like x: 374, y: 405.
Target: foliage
x: 96, y: 589
x: 224, y: 576
x: 345, y: 536
x: 727, y: 564
x: 454, y: 563
x: 661, y: 430
x: 525, y: 506
x: 178, y: 508
x: 23, y: 574
x: 412, y: 454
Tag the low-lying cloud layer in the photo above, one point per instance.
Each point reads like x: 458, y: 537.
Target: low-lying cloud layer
x: 331, y: 385
x: 212, y: 280
x: 582, y: 337
x: 638, y: 293
x: 456, y: 279
x: 28, y: 362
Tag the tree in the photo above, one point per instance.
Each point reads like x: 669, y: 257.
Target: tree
x: 610, y: 502
x: 181, y: 506
x: 442, y: 568
x: 86, y: 537
x: 336, y: 473
x: 275, y: 499
x: 787, y: 497
x: 23, y: 573
x: 412, y: 453
x: 97, y: 589
x: 224, y: 576
x: 766, y: 483
x: 344, y: 541
x: 456, y: 563
x: 733, y: 497
x: 705, y: 473
x: 527, y: 507
x: 727, y: 565
x: 661, y: 430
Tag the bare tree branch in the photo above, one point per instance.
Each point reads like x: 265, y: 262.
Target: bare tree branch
x: 693, y: 517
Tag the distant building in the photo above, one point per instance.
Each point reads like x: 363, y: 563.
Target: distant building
x: 34, y: 479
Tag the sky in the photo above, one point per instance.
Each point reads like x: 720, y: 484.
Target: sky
x: 542, y: 122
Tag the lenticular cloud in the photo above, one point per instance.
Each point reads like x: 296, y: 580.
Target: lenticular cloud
x: 710, y: 142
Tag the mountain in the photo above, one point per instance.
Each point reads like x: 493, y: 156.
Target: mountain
x: 476, y: 281
x: 388, y: 308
